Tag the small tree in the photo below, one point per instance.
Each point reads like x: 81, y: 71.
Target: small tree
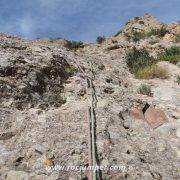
x: 100, y: 39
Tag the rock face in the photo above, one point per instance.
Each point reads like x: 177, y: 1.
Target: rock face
x: 34, y: 76
x: 43, y: 110
x: 142, y: 24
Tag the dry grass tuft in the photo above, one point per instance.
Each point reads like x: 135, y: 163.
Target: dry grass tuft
x: 151, y: 72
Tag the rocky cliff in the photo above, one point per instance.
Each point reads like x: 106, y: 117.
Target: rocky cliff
x: 44, y: 101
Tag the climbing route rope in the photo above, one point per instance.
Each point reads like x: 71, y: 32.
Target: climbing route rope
x: 91, y: 116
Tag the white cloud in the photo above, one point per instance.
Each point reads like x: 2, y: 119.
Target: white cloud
x: 64, y: 6
x: 7, y: 27
x: 24, y: 27
x: 27, y: 26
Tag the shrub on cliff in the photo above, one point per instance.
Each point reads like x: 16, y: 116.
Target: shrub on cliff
x: 73, y: 45
x: 100, y: 39
x: 138, y: 59
x: 161, y: 32
x: 171, y: 54
x: 145, y: 90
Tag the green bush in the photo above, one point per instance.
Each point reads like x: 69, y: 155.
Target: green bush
x: 161, y: 32
x: 100, y: 39
x: 138, y: 59
x: 172, y: 59
x: 145, y: 90
x: 174, y: 50
x: 73, y: 45
x: 171, y: 54
x: 143, y: 65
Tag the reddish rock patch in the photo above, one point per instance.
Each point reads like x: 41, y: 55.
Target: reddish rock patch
x: 155, y: 117
x: 137, y: 113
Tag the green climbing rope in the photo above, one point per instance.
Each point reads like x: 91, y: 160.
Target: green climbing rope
x: 93, y: 122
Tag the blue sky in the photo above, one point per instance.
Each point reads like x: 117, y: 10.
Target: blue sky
x: 78, y: 19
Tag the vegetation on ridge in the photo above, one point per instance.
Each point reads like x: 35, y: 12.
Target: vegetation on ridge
x: 74, y: 45
x: 143, y: 66
x: 138, y: 59
x: 161, y: 32
x: 136, y: 36
x: 100, y: 39
x: 171, y: 54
